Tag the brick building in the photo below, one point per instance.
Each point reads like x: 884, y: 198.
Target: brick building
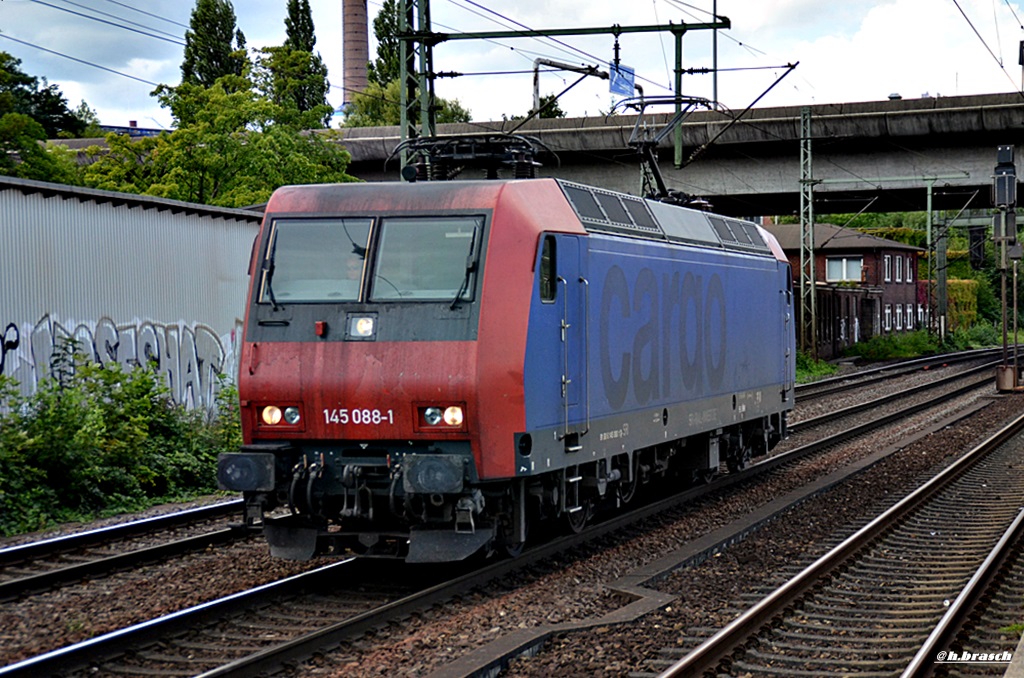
x: 865, y: 285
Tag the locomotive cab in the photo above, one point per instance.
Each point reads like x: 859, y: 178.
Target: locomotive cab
x: 358, y: 381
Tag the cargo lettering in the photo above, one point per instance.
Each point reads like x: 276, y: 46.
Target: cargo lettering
x: 657, y: 337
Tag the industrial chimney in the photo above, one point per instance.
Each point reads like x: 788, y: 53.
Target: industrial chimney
x: 356, y: 46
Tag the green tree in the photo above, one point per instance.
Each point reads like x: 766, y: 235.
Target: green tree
x: 89, y: 118
x: 298, y: 25
x: 209, y: 54
x: 387, y: 66
x: 34, y: 97
x: 375, y: 106
x: 294, y: 76
x: 232, y: 147
x: 379, y: 105
x: 296, y: 81
x: 24, y: 153
x: 549, y: 107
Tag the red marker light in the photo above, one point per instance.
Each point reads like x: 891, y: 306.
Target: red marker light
x: 320, y: 328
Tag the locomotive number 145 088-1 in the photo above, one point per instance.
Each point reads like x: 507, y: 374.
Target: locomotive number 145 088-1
x: 359, y: 417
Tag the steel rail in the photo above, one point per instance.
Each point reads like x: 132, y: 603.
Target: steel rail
x: 23, y: 552
x: 21, y: 586
x: 946, y: 630
x: 113, y: 644
x: 110, y: 645
x: 844, y: 382
x: 707, y: 655
x: 883, y: 400
x: 267, y: 660
x: 295, y: 650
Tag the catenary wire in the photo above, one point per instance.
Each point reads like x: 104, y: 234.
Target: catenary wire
x: 109, y: 23
x: 81, y: 61
x: 142, y: 11
x: 115, y: 16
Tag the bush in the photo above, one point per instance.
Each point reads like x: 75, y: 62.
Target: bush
x: 811, y: 369
x: 97, y: 439
x: 984, y: 335
x: 898, y: 346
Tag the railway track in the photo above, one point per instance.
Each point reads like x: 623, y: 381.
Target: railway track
x: 41, y: 565
x: 874, y: 599
x: 875, y: 376
x: 286, y: 631
x: 977, y: 376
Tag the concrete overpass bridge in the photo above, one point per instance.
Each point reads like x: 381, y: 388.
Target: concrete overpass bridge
x: 879, y: 155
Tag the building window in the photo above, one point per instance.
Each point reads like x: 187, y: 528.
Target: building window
x: 899, y: 315
x: 888, y: 267
x: 899, y: 269
x: 910, y: 269
x: 843, y: 269
x: 920, y: 315
x: 910, y: 316
x: 887, y: 323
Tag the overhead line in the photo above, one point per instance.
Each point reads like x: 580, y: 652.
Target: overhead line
x: 556, y: 41
x: 971, y: 24
x: 81, y: 61
x: 997, y: 59
x: 142, y: 11
x: 109, y: 23
x: 115, y: 16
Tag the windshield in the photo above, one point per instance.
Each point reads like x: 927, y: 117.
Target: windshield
x: 311, y: 260
x: 429, y: 258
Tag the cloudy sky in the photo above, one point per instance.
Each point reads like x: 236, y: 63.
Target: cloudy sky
x: 110, y: 53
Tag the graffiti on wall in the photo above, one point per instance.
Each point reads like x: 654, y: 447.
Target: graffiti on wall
x: 8, y: 344
x: 192, y: 358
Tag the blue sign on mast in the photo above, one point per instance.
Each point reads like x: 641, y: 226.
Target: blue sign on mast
x: 620, y: 80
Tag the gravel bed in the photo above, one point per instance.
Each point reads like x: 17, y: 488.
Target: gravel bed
x: 74, y: 613
x: 74, y: 528
x: 815, y: 407
x: 563, y: 591
x: 709, y: 593
x: 416, y: 647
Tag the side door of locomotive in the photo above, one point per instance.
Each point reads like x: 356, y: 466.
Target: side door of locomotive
x: 574, y: 298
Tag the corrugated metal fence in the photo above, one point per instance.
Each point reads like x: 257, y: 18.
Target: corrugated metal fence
x: 130, y: 278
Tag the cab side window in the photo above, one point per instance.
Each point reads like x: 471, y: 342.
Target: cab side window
x: 548, y: 273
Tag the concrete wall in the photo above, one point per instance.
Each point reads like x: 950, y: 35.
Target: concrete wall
x: 880, y: 154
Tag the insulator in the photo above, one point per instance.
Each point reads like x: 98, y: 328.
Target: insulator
x: 438, y: 171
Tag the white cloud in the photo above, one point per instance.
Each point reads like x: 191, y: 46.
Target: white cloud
x: 851, y: 51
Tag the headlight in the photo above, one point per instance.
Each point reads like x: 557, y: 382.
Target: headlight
x: 274, y: 415
x: 441, y: 416
x: 453, y: 416
x: 362, y: 326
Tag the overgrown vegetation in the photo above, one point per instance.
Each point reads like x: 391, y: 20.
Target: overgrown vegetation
x: 96, y: 440
x: 904, y: 346
x: 896, y: 346
x: 812, y: 369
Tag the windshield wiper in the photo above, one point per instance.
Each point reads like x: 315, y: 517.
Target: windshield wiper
x: 268, y: 286
x: 470, y: 267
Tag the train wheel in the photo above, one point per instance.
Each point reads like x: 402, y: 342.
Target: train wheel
x: 577, y: 520
x: 626, y: 489
x: 737, y: 458
x: 512, y: 548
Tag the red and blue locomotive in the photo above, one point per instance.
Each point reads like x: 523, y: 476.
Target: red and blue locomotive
x: 430, y: 368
